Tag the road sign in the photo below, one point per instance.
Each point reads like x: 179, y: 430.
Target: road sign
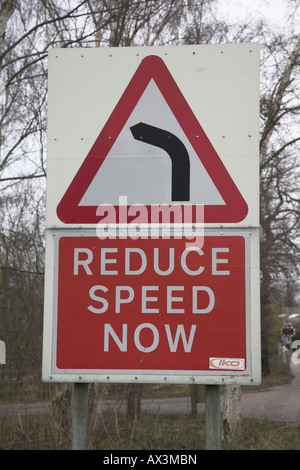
x: 153, y: 135
x: 288, y: 329
x: 152, y: 115
x: 161, y: 125
x: 156, y: 309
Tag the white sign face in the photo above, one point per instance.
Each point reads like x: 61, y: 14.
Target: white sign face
x: 137, y: 125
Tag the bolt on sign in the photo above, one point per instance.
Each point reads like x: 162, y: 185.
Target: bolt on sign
x: 152, y: 264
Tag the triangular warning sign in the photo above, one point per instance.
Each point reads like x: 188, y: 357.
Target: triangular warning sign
x: 153, y: 132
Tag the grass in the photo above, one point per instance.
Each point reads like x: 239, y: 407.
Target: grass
x: 179, y: 432
x: 113, y: 431
x: 255, y: 434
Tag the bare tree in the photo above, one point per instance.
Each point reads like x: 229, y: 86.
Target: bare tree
x: 29, y: 29
x: 280, y: 199
x: 21, y: 278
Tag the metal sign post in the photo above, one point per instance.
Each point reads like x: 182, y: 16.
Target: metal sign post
x: 213, y: 417
x: 80, y: 416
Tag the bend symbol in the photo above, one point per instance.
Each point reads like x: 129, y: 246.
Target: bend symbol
x: 176, y: 150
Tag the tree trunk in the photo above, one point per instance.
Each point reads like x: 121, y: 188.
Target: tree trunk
x: 232, y: 411
x: 194, y: 398
x: 62, y: 414
x: 134, y: 399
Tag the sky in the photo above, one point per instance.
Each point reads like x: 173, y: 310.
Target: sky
x: 273, y: 11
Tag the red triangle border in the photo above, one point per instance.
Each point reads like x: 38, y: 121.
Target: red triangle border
x: 152, y: 67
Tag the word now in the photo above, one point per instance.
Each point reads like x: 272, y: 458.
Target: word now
x: 172, y: 342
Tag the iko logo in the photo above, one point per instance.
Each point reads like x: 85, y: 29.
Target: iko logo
x: 226, y: 363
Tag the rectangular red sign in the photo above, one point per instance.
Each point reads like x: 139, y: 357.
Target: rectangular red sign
x: 151, y: 305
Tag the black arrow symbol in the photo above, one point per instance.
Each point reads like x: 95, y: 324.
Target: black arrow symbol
x: 177, y: 152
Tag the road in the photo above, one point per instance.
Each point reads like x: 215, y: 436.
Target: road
x: 278, y: 403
